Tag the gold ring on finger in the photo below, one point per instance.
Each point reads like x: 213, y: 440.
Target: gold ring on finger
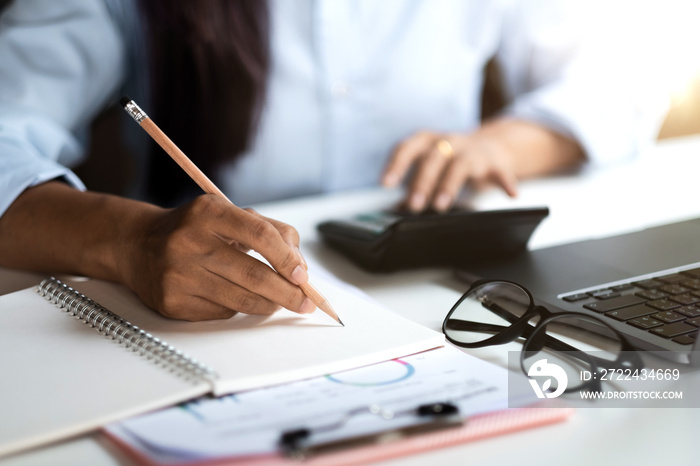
x: 445, y: 148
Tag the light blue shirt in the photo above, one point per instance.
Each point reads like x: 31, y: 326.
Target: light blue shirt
x: 349, y: 80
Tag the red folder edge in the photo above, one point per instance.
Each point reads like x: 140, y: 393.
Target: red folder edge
x: 475, y: 428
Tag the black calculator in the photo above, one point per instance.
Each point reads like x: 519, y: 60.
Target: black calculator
x: 391, y: 240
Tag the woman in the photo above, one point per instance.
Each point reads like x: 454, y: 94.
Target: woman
x: 274, y: 101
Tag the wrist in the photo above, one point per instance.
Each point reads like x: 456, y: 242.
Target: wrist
x: 128, y: 248
x: 529, y: 147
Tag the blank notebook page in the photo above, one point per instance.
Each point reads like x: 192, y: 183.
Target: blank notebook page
x: 255, y: 351
x: 61, y: 378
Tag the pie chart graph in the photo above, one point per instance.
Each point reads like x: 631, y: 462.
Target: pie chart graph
x: 386, y: 373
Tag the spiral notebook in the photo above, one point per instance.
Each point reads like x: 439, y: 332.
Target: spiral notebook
x: 76, y: 360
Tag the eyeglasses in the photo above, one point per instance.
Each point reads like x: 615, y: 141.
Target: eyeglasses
x: 496, y: 312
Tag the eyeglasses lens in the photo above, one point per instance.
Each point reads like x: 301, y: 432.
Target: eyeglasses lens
x: 486, y: 311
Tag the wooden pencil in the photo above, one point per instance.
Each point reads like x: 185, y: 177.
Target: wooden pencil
x: 207, y: 185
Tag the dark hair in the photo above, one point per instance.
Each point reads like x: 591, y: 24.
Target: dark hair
x: 210, y: 62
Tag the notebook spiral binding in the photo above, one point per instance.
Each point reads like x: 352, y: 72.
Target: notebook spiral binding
x: 131, y: 337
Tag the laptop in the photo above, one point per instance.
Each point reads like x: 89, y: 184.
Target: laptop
x: 645, y: 284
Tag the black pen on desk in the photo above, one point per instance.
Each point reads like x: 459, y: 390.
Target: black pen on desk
x: 206, y: 184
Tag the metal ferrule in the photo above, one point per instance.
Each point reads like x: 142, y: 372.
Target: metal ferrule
x: 135, y: 112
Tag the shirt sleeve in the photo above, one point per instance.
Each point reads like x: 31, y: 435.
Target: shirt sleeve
x: 61, y: 62
x: 561, y: 69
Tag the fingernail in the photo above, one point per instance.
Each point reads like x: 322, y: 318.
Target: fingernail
x: 301, y: 258
x: 442, y: 201
x: 299, y: 275
x: 307, y: 307
x: 390, y: 180
x: 417, y: 201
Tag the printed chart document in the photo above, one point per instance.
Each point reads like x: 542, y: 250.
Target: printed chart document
x: 346, y: 405
x: 65, y: 374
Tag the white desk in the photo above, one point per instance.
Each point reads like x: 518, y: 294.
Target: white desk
x: 589, y: 204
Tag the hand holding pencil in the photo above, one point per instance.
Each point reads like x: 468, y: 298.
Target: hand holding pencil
x: 233, y: 280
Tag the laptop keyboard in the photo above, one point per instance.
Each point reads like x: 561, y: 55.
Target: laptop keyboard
x: 667, y: 306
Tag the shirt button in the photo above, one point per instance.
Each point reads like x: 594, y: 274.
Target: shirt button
x: 340, y: 89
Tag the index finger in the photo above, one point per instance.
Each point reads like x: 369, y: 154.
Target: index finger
x: 234, y: 223
x: 288, y: 232
x: 404, y: 155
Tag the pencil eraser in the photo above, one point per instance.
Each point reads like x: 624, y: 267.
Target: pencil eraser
x: 124, y: 100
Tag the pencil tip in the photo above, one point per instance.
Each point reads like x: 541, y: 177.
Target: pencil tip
x: 326, y: 307
x: 124, y: 100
